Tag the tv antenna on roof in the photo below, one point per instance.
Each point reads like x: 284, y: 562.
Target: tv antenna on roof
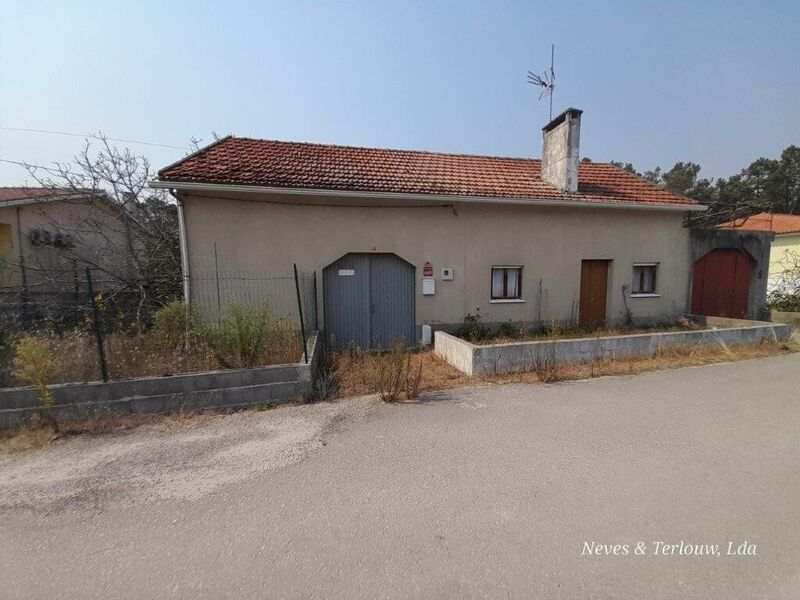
x: 546, y: 81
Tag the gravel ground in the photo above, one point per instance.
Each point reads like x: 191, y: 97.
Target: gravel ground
x: 176, y: 460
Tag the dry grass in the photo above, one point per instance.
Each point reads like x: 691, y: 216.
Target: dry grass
x: 359, y: 374
x: 36, y: 436
x: 146, y: 355
x: 670, y: 358
x: 570, y: 333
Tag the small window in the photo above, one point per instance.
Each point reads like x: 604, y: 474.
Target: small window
x: 506, y: 283
x: 644, y: 278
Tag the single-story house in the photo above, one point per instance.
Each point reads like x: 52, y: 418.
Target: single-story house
x: 47, y: 237
x: 784, y: 262
x: 401, y: 239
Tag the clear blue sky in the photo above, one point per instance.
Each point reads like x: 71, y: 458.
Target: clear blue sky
x: 712, y: 82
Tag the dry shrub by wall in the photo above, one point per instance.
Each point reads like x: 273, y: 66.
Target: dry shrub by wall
x: 243, y: 340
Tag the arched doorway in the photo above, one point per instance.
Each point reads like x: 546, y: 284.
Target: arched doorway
x: 369, y: 301
x: 721, y: 283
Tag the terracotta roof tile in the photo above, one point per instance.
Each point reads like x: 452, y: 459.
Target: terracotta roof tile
x: 776, y: 223
x: 20, y: 193
x: 245, y: 161
x: 25, y: 193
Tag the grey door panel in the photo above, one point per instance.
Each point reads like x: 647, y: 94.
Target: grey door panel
x: 392, y: 300
x: 346, y: 301
x: 369, y: 301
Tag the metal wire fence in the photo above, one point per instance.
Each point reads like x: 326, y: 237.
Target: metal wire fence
x: 288, y: 295
x: 101, y: 312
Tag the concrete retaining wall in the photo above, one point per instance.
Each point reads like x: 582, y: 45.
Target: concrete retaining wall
x: 524, y: 356
x: 215, y: 389
x: 792, y: 318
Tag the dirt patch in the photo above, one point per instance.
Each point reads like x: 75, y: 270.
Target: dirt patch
x: 39, y: 436
x: 166, y: 459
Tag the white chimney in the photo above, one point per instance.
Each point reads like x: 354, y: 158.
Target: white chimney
x: 560, y: 150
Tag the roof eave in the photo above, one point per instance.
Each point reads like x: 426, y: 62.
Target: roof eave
x: 256, y: 189
x: 44, y: 199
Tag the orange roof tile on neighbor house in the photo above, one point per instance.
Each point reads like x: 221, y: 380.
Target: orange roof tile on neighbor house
x: 9, y: 194
x: 776, y: 223
x: 20, y: 193
x: 293, y: 165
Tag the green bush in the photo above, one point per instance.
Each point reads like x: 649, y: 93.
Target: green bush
x: 508, y: 330
x: 785, y: 302
x: 173, y: 322
x: 473, y: 330
x: 6, y: 357
x: 35, y: 365
x: 241, y: 338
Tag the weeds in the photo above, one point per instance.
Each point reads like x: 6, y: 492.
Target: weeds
x: 473, y: 330
x: 327, y: 385
x: 391, y: 372
x: 413, y: 379
x: 7, y: 351
x: 545, y: 365
x: 154, y: 353
x: 508, y: 329
x: 35, y: 365
x: 245, y: 336
x: 173, y: 323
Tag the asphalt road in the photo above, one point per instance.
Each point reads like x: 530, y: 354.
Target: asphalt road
x: 491, y: 491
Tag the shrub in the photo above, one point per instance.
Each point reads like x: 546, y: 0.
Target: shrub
x: 395, y: 375
x: 35, y: 365
x: 328, y: 383
x: 508, y: 330
x: 413, y: 379
x: 545, y: 365
x: 390, y: 374
x: 784, y: 302
x: 473, y: 330
x: 242, y: 338
x: 560, y: 329
x: 6, y: 357
x: 172, y: 322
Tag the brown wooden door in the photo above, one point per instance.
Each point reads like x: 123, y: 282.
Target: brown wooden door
x: 594, y: 288
x: 721, y: 284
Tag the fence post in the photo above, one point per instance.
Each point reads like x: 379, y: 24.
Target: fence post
x: 98, y: 333
x: 316, y: 307
x: 300, y: 308
x: 219, y: 296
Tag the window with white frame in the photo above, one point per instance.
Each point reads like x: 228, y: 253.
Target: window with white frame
x: 506, y: 283
x: 644, y: 279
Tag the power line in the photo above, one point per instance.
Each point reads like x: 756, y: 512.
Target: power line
x: 27, y: 165
x: 89, y: 135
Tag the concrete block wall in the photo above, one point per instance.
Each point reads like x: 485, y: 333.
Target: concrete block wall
x: 523, y: 356
x: 233, y: 388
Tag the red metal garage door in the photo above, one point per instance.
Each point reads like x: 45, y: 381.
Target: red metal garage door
x: 721, y: 284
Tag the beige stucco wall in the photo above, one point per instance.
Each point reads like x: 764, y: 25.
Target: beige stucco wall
x: 98, y: 240
x: 255, y: 238
x: 784, y: 258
